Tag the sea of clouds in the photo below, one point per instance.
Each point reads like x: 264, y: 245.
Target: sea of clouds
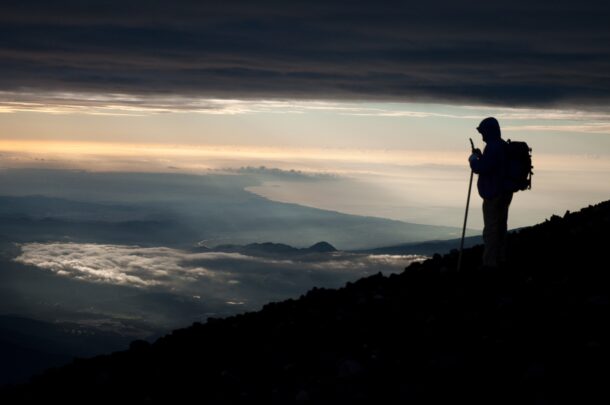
x: 235, y: 278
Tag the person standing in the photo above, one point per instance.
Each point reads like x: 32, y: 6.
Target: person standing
x: 491, y: 166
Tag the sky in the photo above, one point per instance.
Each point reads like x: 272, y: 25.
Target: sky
x: 381, y: 96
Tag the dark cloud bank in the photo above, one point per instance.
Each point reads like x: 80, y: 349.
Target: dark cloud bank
x: 511, y: 53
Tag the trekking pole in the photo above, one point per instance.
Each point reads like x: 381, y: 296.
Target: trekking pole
x: 459, y: 265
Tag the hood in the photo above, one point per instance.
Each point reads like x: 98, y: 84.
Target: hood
x: 490, y: 129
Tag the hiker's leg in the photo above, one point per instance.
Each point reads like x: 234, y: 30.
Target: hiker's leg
x: 488, y: 232
x: 503, y: 234
x: 492, y: 231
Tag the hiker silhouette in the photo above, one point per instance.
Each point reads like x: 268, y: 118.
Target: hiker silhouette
x: 490, y: 165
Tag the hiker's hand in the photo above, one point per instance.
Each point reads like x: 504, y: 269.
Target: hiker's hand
x: 474, y: 157
x: 477, y: 152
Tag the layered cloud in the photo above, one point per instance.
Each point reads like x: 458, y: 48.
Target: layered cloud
x: 509, y: 53
x: 113, y: 264
x: 231, y: 277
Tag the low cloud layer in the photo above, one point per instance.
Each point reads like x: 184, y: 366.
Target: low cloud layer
x: 234, y: 278
x: 114, y: 264
x: 509, y: 53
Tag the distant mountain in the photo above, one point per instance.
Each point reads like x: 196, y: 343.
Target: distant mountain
x: 40, y: 207
x: 273, y: 249
x: 322, y: 247
x: 535, y: 332
x: 179, y: 210
x: 23, y: 228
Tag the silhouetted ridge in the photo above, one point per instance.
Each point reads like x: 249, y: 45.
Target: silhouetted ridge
x: 322, y: 247
x: 270, y: 248
x: 534, y: 333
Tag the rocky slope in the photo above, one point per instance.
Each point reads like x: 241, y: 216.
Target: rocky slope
x: 535, y: 332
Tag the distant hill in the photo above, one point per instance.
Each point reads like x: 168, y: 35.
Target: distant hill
x: 274, y: 249
x: 322, y: 247
x: 179, y: 210
x: 534, y: 333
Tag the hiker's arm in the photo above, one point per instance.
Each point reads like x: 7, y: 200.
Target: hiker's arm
x: 487, y: 162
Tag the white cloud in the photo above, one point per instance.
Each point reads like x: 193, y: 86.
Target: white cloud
x: 133, y: 105
x: 120, y: 104
x: 234, y: 278
x: 550, y: 114
x: 588, y: 128
x: 113, y: 264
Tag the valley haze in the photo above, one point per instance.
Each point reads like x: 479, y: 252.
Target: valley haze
x: 131, y: 255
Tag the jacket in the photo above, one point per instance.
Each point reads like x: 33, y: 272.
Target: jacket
x: 491, y: 168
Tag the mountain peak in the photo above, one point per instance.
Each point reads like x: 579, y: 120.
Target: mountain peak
x: 322, y: 247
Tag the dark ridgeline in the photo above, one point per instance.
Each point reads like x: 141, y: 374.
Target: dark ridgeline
x: 535, y: 333
x: 271, y: 249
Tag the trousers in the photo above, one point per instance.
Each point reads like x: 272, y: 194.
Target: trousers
x: 495, y: 219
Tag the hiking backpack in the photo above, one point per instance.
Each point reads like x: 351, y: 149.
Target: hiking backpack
x: 519, y: 166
